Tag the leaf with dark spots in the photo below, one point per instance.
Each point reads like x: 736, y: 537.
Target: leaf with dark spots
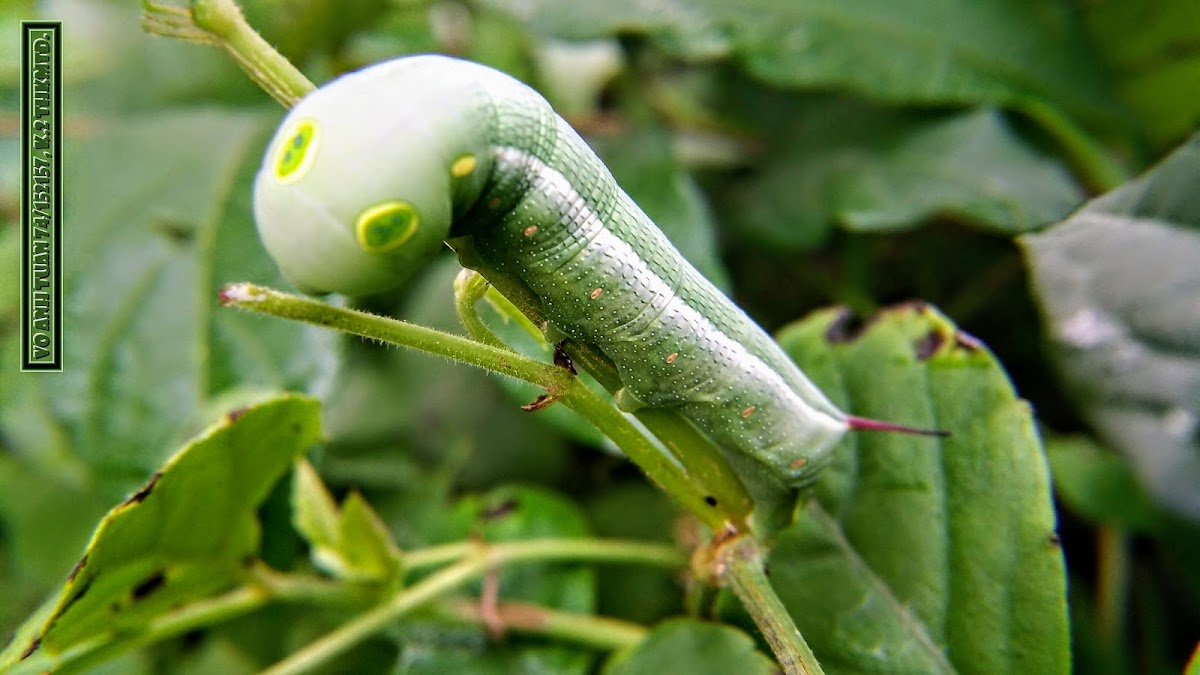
x: 964, y: 340
x: 845, y: 327
x: 140, y: 495
x: 200, y: 525
x: 176, y: 231
x: 929, y: 344
x: 149, y: 585
x: 899, y: 529
x: 33, y: 646
x: 236, y: 414
x: 499, y: 510
x: 77, y: 569
x: 710, y: 500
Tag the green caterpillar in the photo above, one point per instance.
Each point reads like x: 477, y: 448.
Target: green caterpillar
x: 370, y: 173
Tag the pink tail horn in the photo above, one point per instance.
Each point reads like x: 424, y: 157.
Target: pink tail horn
x: 868, y: 424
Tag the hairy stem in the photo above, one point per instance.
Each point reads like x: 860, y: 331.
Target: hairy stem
x: 221, y: 23
x: 558, y: 382
x: 741, y: 563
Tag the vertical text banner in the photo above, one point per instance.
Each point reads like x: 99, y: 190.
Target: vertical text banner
x: 41, y: 196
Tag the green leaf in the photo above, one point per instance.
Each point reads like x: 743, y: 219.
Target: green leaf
x: 149, y: 246
x: 916, y: 554
x: 970, y: 167
x: 185, y: 535
x: 431, y: 659
x: 1099, y: 485
x: 993, y: 51
x: 351, y: 543
x: 635, y: 509
x: 1149, y: 66
x: 1117, y: 283
x: 693, y: 647
x: 836, y: 161
x: 513, y: 513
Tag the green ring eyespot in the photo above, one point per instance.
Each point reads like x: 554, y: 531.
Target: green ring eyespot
x: 295, y: 156
x: 385, y: 226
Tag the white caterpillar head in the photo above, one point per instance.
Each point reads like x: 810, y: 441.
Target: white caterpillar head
x: 361, y: 181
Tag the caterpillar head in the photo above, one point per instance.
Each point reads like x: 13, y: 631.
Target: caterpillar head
x: 360, y: 183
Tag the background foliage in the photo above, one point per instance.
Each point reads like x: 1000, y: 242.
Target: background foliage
x: 802, y: 154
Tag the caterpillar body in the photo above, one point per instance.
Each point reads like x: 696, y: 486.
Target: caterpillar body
x: 370, y: 173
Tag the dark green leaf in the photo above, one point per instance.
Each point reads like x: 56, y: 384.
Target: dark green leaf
x: 980, y: 52
x: 970, y: 167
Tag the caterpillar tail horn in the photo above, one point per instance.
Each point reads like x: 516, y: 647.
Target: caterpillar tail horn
x: 867, y: 424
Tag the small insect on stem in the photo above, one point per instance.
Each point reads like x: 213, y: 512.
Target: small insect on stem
x: 867, y: 424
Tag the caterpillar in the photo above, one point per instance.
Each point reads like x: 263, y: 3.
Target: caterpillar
x: 370, y: 173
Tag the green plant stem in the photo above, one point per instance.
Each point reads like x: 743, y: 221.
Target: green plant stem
x: 484, y: 558
x: 298, y: 308
x: 469, y: 288
x: 741, y: 563
x: 585, y: 629
x: 557, y: 382
x: 1112, y: 583
x: 221, y: 23
x: 1097, y: 170
x: 700, y: 458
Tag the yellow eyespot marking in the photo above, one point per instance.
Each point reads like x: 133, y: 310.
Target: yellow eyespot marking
x: 385, y: 226
x: 747, y: 412
x: 596, y: 293
x: 463, y: 166
x: 295, y: 156
x: 671, y: 357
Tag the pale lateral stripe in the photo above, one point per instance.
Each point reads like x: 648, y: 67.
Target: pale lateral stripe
x: 551, y: 178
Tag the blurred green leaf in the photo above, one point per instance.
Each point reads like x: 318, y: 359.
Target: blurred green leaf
x: 348, y: 543
x: 183, y: 536
x: 1117, y: 283
x: 513, y: 513
x: 920, y: 555
x: 994, y: 52
x: 149, y: 246
x: 1150, y: 50
x: 395, y: 405
x: 835, y: 161
x: 693, y: 647
x: 422, y: 659
x: 970, y: 167
x: 299, y: 29
x: 1099, y: 485
x: 635, y: 510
